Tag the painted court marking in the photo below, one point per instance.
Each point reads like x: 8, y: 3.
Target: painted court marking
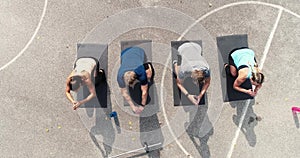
x: 262, y: 61
x: 267, y: 47
x: 164, y: 110
x: 31, y: 39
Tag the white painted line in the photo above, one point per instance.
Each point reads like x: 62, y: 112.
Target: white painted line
x: 290, y: 12
x: 235, y: 4
x: 237, y: 132
x: 164, y: 110
x: 31, y: 39
x: 268, y: 45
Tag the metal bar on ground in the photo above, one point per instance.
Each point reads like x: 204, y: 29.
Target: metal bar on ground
x: 132, y: 151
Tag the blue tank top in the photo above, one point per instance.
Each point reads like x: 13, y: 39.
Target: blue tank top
x: 244, y: 57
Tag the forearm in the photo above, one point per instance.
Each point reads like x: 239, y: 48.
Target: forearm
x: 257, y: 88
x: 179, y: 85
x: 182, y: 89
x: 144, y: 98
x: 204, y: 88
x: 88, y: 98
x: 127, y: 98
x: 237, y: 83
x: 240, y: 89
x: 201, y: 94
x: 69, y: 97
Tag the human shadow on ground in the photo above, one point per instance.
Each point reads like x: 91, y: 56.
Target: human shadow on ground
x: 150, y: 131
x: 199, y: 128
x: 103, y: 133
x: 250, y: 119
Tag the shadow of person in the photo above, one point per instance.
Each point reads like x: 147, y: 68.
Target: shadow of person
x: 199, y: 128
x: 151, y: 134
x: 103, y: 123
x: 250, y: 119
x: 150, y: 131
x: 103, y: 132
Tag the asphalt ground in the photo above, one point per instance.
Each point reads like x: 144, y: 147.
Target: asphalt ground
x: 38, y: 48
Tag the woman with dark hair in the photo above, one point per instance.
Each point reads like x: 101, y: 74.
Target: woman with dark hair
x: 86, y: 71
x: 243, y: 66
x: 190, y: 63
x: 133, y: 70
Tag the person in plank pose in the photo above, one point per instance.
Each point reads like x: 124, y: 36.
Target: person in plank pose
x: 133, y: 70
x: 85, y: 72
x: 243, y: 66
x: 190, y: 63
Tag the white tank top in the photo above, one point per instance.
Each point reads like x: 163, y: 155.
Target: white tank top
x: 191, y: 58
x: 84, y: 64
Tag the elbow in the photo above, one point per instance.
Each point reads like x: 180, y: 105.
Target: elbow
x: 235, y: 87
x: 207, y: 81
x: 178, y: 83
x: 144, y: 94
x: 93, y: 95
x: 68, y: 93
x: 207, y: 84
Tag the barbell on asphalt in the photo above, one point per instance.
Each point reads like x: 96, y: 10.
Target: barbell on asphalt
x: 146, y: 148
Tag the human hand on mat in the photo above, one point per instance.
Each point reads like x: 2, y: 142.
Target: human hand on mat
x: 141, y: 108
x: 198, y: 98
x: 137, y: 110
x: 251, y: 92
x: 193, y: 99
x: 76, y: 104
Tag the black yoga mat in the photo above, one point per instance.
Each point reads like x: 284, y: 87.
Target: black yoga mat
x: 225, y: 45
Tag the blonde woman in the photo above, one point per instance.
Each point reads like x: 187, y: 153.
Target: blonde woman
x: 243, y: 66
x: 133, y: 70
x: 86, y: 72
x: 190, y: 63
